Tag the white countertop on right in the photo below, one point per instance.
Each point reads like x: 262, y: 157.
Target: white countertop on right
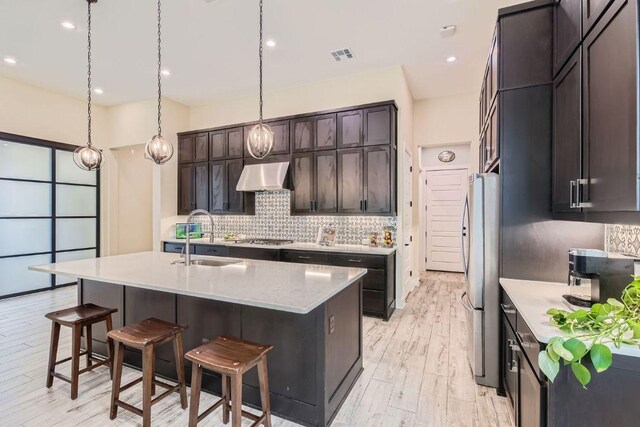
x: 532, y: 300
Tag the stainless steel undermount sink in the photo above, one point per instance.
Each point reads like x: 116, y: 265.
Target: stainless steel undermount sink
x: 215, y: 262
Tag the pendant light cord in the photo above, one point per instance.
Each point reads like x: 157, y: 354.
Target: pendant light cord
x: 260, y: 55
x: 89, y: 71
x: 159, y: 71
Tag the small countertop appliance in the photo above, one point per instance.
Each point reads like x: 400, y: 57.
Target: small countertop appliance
x: 607, y: 273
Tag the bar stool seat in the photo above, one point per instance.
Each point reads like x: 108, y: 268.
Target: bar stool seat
x: 146, y: 335
x: 77, y: 318
x: 231, y: 357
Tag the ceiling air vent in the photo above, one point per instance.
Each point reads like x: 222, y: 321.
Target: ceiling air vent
x: 341, y: 54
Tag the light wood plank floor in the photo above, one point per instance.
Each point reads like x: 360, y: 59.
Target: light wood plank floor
x: 415, y: 370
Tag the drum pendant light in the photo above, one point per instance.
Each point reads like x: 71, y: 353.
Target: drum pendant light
x: 159, y: 149
x: 88, y: 158
x: 260, y: 138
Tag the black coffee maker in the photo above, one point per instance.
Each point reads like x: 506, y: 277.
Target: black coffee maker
x: 608, y: 273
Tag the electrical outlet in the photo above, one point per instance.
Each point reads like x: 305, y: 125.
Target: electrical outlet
x: 332, y: 324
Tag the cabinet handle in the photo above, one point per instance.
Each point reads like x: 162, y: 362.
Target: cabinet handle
x: 315, y: 206
x: 303, y: 257
x: 579, y: 184
x: 572, y: 187
x: 355, y: 260
x: 365, y: 205
x: 508, y: 309
x: 361, y: 206
x: 311, y: 205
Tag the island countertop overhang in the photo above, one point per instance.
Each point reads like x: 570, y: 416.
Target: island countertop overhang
x: 294, y: 288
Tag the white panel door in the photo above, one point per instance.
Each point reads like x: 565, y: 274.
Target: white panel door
x: 446, y: 190
x: 407, y: 219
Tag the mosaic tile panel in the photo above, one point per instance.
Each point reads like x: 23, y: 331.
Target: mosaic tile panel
x: 623, y: 239
x: 273, y: 220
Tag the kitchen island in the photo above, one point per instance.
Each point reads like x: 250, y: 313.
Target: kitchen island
x: 311, y: 314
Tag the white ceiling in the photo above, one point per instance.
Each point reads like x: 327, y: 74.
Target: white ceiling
x: 210, y: 46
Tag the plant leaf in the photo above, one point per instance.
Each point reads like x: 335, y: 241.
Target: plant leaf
x: 581, y: 373
x: 576, y: 347
x: 615, y: 303
x: 548, y: 366
x: 561, y: 351
x: 601, y: 357
x: 635, y: 326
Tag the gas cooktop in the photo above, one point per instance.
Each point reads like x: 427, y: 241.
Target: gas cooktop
x: 259, y: 241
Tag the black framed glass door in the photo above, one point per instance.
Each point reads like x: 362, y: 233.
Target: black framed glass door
x: 49, y: 212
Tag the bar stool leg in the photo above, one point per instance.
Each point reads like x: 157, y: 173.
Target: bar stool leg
x: 263, y: 377
x: 89, y: 346
x: 147, y: 383
x: 196, y: 382
x: 226, y: 395
x: 75, y: 359
x: 153, y: 375
x: 110, y: 348
x: 117, y: 378
x: 177, y: 348
x: 236, y: 401
x: 53, y: 352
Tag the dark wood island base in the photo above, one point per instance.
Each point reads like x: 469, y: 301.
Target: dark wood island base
x: 316, y: 358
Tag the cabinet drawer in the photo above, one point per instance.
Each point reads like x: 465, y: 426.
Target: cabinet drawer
x: 508, y: 308
x: 174, y: 247
x: 305, y: 257
x: 374, y: 280
x: 254, y: 253
x: 360, y: 261
x: 211, y: 250
x: 529, y: 344
x: 373, y: 302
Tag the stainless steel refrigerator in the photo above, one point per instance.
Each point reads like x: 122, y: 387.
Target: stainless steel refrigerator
x: 480, y: 255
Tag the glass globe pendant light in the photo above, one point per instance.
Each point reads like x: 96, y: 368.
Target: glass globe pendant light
x: 260, y: 138
x: 88, y: 158
x: 159, y: 149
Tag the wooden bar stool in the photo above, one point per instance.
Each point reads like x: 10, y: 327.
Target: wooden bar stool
x: 231, y: 357
x: 76, y: 318
x: 145, y: 336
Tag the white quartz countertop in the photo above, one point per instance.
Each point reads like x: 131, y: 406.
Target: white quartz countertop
x: 295, y: 288
x: 532, y: 300
x: 348, y: 249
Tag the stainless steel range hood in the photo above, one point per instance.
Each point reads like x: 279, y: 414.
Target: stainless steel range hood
x: 263, y: 177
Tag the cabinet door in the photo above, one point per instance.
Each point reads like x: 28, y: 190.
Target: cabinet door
x: 302, y: 176
x: 235, y: 143
x: 185, y: 189
x: 280, y: 137
x: 510, y: 366
x: 235, y: 199
x: 350, y: 129
x: 185, y: 148
x: 377, y: 126
x: 302, y: 130
x: 326, y: 183
x: 201, y: 185
x: 531, y: 396
x: 494, y: 65
x: 201, y: 148
x: 217, y: 187
x: 350, y: 181
x: 492, y: 140
x: 567, y: 134
x: 610, y: 111
x: 592, y: 10
x: 567, y: 31
x: 377, y: 179
x: 325, y: 132
x: 217, y: 145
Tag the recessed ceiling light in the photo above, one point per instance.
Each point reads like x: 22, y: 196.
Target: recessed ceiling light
x: 68, y: 25
x: 165, y: 72
x: 271, y: 43
x: 98, y: 91
x: 10, y: 60
x: 451, y: 59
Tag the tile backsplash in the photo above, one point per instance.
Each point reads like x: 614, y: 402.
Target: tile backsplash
x: 624, y: 239
x: 273, y: 220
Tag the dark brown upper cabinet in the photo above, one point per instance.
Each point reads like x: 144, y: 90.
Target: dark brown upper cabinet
x: 223, y: 179
x: 494, y: 65
x: 235, y: 142
x: 491, y: 145
x: 235, y: 199
x: 280, y: 137
x: 193, y: 187
x: 567, y: 31
x: 201, y: 148
x: 302, y: 132
x: 377, y: 126
x: 610, y: 141
x: 567, y: 135
x: 377, y: 185
x: 325, y: 132
x: 350, y: 129
x: 185, y: 148
x: 315, y: 185
x: 592, y: 10
x: 217, y: 186
x: 350, y: 183
x: 217, y: 145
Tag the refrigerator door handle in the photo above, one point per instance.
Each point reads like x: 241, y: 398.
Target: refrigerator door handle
x: 465, y: 211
